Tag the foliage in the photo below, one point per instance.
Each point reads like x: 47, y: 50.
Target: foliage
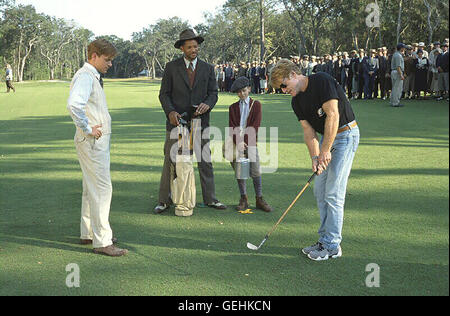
x: 43, y: 47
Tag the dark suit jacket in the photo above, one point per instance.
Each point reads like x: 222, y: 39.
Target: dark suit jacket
x: 177, y: 95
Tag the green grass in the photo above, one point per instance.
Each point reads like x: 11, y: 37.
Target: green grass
x: 397, y: 209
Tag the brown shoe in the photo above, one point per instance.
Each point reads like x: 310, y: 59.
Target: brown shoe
x: 111, y: 251
x: 263, y: 205
x: 243, y: 204
x: 89, y: 241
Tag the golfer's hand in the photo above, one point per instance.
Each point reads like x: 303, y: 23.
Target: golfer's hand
x: 317, y: 169
x: 242, y: 147
x: 174, y: 118
x: 202, y: 109
x: 96, y: 132
x: 324, y: 160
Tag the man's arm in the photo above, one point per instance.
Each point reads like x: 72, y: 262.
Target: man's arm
x: 331, y: 128
x: 166, y: 99
x: 312, y: 142
x: 211, y: 97
x: 79, y: 97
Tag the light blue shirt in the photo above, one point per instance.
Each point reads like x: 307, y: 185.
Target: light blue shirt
x: 244, y: 106
x: 187, y: 62
x: 79, y: 97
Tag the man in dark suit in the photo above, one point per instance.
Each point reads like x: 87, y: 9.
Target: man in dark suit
x: 381, y: 77
x: 188, y: 82
x: 362, y: 69
x: 229, y: 73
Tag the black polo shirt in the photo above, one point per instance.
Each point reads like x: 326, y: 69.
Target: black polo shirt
x: 321, y: 89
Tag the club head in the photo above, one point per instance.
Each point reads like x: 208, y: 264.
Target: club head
x: 252, y: 247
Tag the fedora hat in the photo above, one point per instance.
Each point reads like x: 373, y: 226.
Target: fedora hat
x: 187, y: 35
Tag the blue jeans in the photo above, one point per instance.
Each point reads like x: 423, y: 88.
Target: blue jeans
x: 331, y: 186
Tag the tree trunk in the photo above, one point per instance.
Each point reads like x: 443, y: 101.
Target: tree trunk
x: 399, y: 20
x: 153, y: 68
x: 430, y: 26
x: 263, y: 37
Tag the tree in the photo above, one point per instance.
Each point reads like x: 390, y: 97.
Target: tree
x: 22, y: 26
x: 55, y: 35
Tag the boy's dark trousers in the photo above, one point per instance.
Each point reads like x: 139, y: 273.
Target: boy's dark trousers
x: 9, y: 86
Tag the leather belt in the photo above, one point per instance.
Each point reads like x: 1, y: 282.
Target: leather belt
x: 347, y: 127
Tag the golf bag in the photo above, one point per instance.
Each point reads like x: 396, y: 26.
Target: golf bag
x: 182, y: 174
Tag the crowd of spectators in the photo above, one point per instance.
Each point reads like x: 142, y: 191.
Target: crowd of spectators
x: 363, y: 74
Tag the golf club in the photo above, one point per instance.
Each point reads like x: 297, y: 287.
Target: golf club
x: 256, y: 248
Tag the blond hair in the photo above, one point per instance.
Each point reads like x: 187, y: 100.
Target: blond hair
x: 282, y: 70
x: 101, y: 47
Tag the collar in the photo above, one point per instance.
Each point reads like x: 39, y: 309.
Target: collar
x: 187, y: 62
x: 93, y: 70
x: 245, y: 102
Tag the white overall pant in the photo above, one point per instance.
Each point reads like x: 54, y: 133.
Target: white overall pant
x: 94, y: 157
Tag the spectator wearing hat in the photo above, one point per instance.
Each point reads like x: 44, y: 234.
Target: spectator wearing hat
x: 410, y: 73
x: 270, y: 66
x: 304, y: 64
x: 434, y: 86
x: 187, y: 82
x: 354, y: 65
x: 421, y: 46
x: 312, y: 63
x: 370, y: 73
x: 262, y: 78
x: 444, y: 66
x: 380, y: 82
x: 397, y: 75
x: 229, y: 73
x: 345, y: 67
x: 329, y: 65
x: 255, y: 79
x: 388, y: 83
x: 443, y: 75
x: 242, y: 70
x: 422, y: 65
x: 244, y: 121
x: 319, y: 66
x: 337, y: 68
x: 362, y: 66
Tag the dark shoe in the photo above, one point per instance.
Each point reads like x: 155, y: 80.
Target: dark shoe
x: 89, y: 241
x: 161, y: 208
x: 243, y: 204
x: 111, y: 251
x: 261, y: 204
x: 217, y: 205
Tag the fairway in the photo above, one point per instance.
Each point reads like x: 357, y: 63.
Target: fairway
x: 396, y: 215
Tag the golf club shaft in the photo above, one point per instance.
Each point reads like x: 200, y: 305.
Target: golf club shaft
x: 292, y: 204
x: 295, y: 201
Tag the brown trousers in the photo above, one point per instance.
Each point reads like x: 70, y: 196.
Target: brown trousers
x: 9, y: 86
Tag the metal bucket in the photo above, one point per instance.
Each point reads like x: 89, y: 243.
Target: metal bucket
x: 242, y: 169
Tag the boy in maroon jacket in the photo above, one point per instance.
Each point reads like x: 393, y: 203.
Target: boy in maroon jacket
x: 245, y: 119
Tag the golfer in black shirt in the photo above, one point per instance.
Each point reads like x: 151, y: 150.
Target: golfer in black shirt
x: 322, y: 107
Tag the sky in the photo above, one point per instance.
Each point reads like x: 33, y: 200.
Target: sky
x: 122, y: 18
